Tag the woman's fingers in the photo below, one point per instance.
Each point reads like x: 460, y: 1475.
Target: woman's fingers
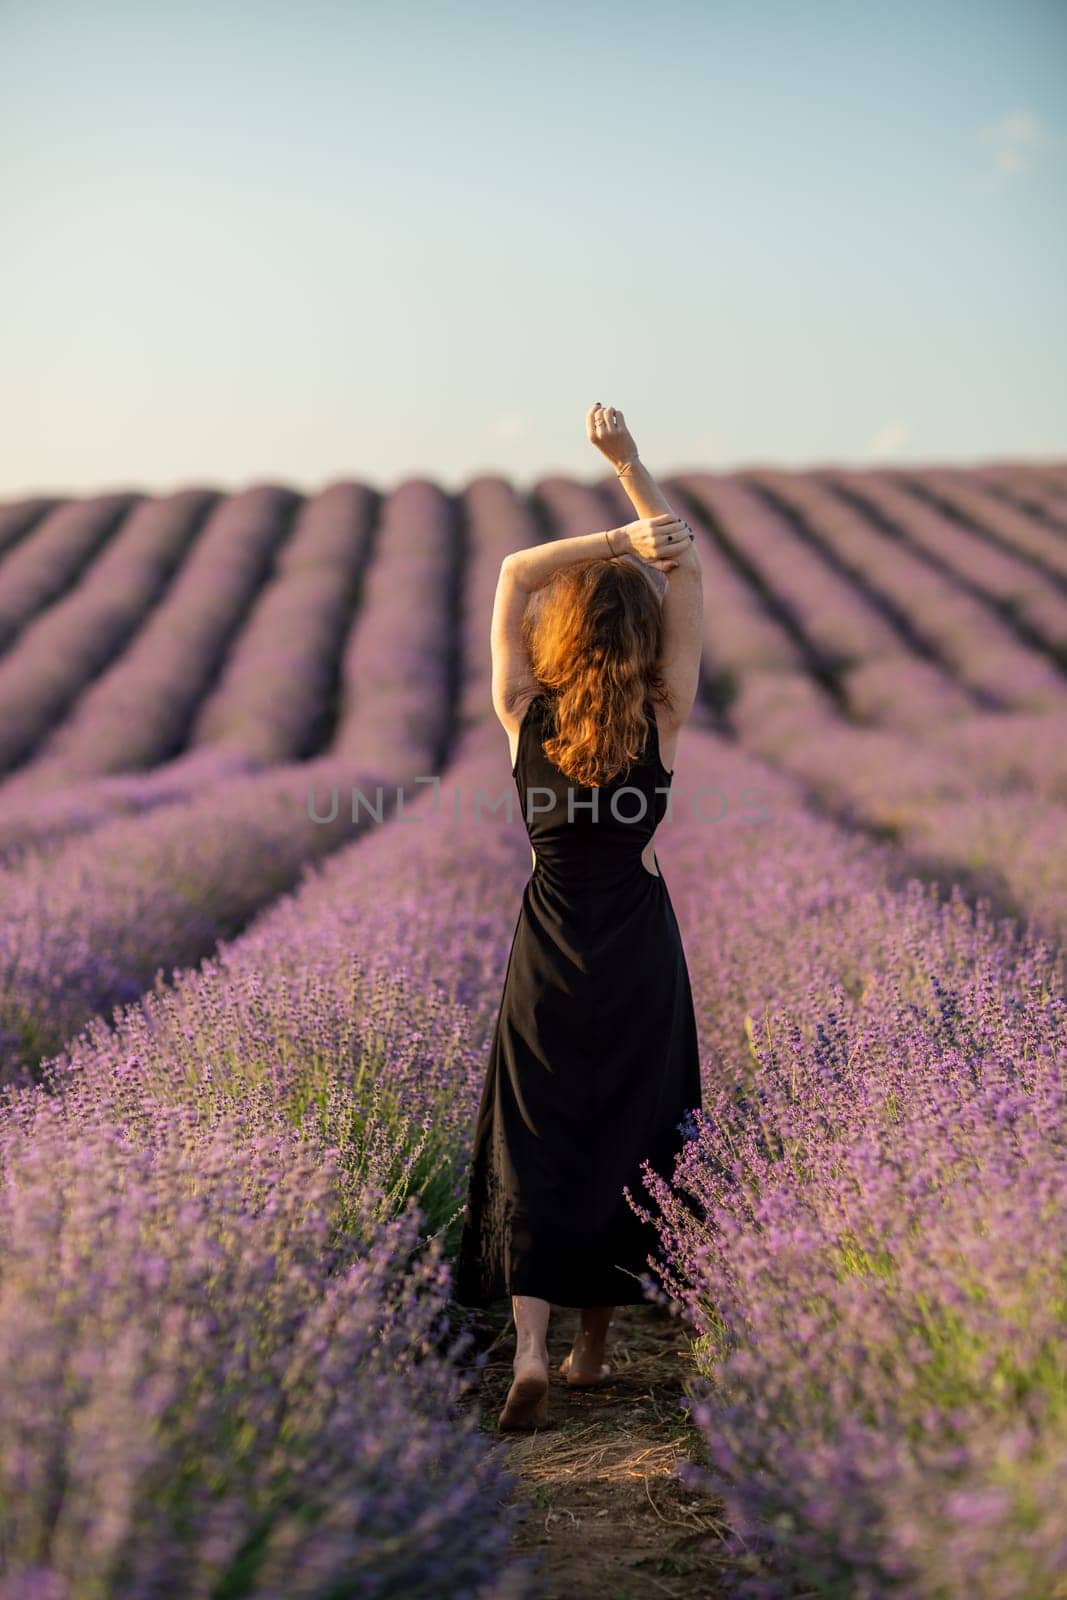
x: 671, y: 531
x: 670, y: 535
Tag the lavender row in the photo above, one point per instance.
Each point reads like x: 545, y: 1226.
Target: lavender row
x: 986, y: 570
x: 67, y: 645
x: 841, y: 627
x: 1041, y: 500
x: 18, y: 517
x: 955, y: 796
x: 162, y: 888
x: 279, y: 689
x: 981, y: 801
x: 866, y: 1232
x: 274, y: 695
x: 408, y: 1498
x: 976, y: 645
x: 138, y: 712
x: 1047, y: 478
x: 270, y: 698
x: 37, y: 817
x: 85, y: 926
x: 1016, y: 530
x: 395, y: 675
x: 497, y: 521
x: 52, y: 554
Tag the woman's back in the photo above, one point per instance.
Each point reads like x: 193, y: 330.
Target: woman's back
x: 590, y: 841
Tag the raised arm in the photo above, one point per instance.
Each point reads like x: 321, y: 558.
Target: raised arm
x: 606, y: 428
x: 521, y: 572
x: 655, y: 541
x: 683, y: 599
x: 531, y: 568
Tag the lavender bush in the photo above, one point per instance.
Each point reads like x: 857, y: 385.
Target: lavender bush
x: 210, y: 1388
x: 867, y: 1230
x: 87, y: 927
x: 34, y: 816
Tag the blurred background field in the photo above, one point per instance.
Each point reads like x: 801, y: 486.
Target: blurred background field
x: 189, y: 680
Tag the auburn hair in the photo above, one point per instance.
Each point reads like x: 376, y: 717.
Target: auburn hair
x: 594, y: 635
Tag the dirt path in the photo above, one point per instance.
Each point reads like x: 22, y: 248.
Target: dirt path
x: 605, y: 1519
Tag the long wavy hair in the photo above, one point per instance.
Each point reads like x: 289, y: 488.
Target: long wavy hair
x: 594, y: 636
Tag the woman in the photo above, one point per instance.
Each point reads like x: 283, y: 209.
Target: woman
x: 596, y: 645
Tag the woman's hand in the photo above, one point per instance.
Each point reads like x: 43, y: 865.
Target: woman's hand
x: 657, y: 540
x: 607, y: 429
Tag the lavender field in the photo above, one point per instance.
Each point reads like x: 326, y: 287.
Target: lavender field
x: 244, y: 1021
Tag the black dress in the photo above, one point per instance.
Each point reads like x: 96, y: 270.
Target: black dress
x: 594, y: 1059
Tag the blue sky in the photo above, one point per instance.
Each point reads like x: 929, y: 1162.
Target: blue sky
x: 302, y: 242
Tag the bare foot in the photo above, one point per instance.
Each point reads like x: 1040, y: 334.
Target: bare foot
x: 584, y: 1374
x: 526, y: 1406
